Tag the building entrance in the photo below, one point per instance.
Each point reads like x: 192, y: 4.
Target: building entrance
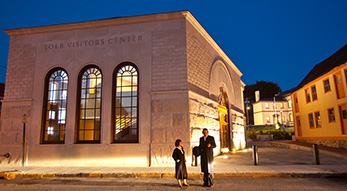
x: 223, y: 113
x: 224, y: 129
x: 343, y: 117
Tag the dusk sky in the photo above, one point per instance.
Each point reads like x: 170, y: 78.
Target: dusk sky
x: 270, y: 40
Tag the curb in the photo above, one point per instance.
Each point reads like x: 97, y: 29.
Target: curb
x: 299, y: 147
x: 219, y: 175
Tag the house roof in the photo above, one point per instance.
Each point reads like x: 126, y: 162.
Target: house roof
x: 335, y: 60
x: 286, y: 93
x: 278, y: 99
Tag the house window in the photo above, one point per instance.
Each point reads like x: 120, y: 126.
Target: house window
x: 282, y: 105
x: 311, y: 121
x: 291, y: 117
x: 340, y: 93
x: 296, y: 103
x: 298, y: 124
x: 267, y: 105
x: 125, y: 103
x: 55, y: 98
x: 275, y: 118
x: 290, y: 103
x: 317, y: 119
x: 89, y: 107
x: 267, y: 119
x: 308, y: 97
x: 326, y: 85
x: 331, y: 115
x: 314, y: 93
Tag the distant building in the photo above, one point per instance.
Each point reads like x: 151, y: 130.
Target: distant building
x: 269, y: 111
x: 320, y: 102
x: 118, y: 92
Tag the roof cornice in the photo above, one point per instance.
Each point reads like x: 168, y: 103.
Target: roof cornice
x: 98, y: 23
x: 126, y: 21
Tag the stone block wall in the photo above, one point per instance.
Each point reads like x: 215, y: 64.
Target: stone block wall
x: 20, y: 70
x: 200, y: 58
x: 238, y: 127
x: 329, y: 143
x: 17, y: 99
x: 203, y: 114
x: 169, y: 122
x: 11, y: 131
x: 169, y: 68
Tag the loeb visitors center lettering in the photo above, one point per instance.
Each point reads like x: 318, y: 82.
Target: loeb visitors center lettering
x: 94, y: 42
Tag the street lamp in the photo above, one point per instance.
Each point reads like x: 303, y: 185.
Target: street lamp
x: 276, y: 118
x: 24, y: 120
x: 248, y: 115
x: 281, y: 120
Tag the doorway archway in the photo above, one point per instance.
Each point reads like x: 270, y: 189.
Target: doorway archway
x: 223, y: 112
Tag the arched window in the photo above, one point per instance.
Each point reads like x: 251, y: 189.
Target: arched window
x: 55, y: 98
x: 89, y: 105
x: 125, y: 104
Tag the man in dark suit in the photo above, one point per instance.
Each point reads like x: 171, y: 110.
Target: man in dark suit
x: 206, y: 146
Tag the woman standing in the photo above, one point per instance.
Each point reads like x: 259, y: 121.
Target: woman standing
x: 180, y: 159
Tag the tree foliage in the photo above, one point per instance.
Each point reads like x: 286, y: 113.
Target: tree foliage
x: 267, y: 90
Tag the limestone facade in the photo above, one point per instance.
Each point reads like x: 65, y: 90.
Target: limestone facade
x: 180, y: 71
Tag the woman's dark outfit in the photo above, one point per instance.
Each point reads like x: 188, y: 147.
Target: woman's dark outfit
x: 181, y: 169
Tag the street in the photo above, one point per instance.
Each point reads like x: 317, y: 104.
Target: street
x: 129, y: 184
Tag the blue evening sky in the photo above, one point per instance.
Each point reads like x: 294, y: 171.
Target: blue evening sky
x: 271, y: 40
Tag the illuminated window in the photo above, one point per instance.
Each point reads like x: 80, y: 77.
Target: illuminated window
x: 51, y: 114
x: 89, y: 107
x: 275, y: 118
x: 50, y: 131
x: 311, y: 121
x: 267, y: 119
x: 331, y: 115
x: 308, y: 97
x: 340, y: 93
x: 291, y: 117
x: 125, y: 103
x: 282, y: 105
x: 290, y: 103
x: 267, y: 105
x: 314, y: 93
x: 326, y: 85
x: 317, y: 119
x: 53, y: 130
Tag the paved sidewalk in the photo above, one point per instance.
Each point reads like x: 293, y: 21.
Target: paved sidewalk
x: 273, y: 162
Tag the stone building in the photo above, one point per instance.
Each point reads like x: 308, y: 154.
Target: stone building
x: 270, y: 111
x: 118, y: 92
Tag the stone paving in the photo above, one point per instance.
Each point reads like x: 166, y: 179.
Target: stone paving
x: 273, y: 162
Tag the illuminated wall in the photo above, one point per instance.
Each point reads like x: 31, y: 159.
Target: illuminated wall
x: 180, y: 69
x: 326, y: 112
x: 264, y: 112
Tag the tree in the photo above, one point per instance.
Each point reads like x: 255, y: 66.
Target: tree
x: 267, y: 90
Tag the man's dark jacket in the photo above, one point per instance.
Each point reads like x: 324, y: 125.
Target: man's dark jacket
x: 206, y: 153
